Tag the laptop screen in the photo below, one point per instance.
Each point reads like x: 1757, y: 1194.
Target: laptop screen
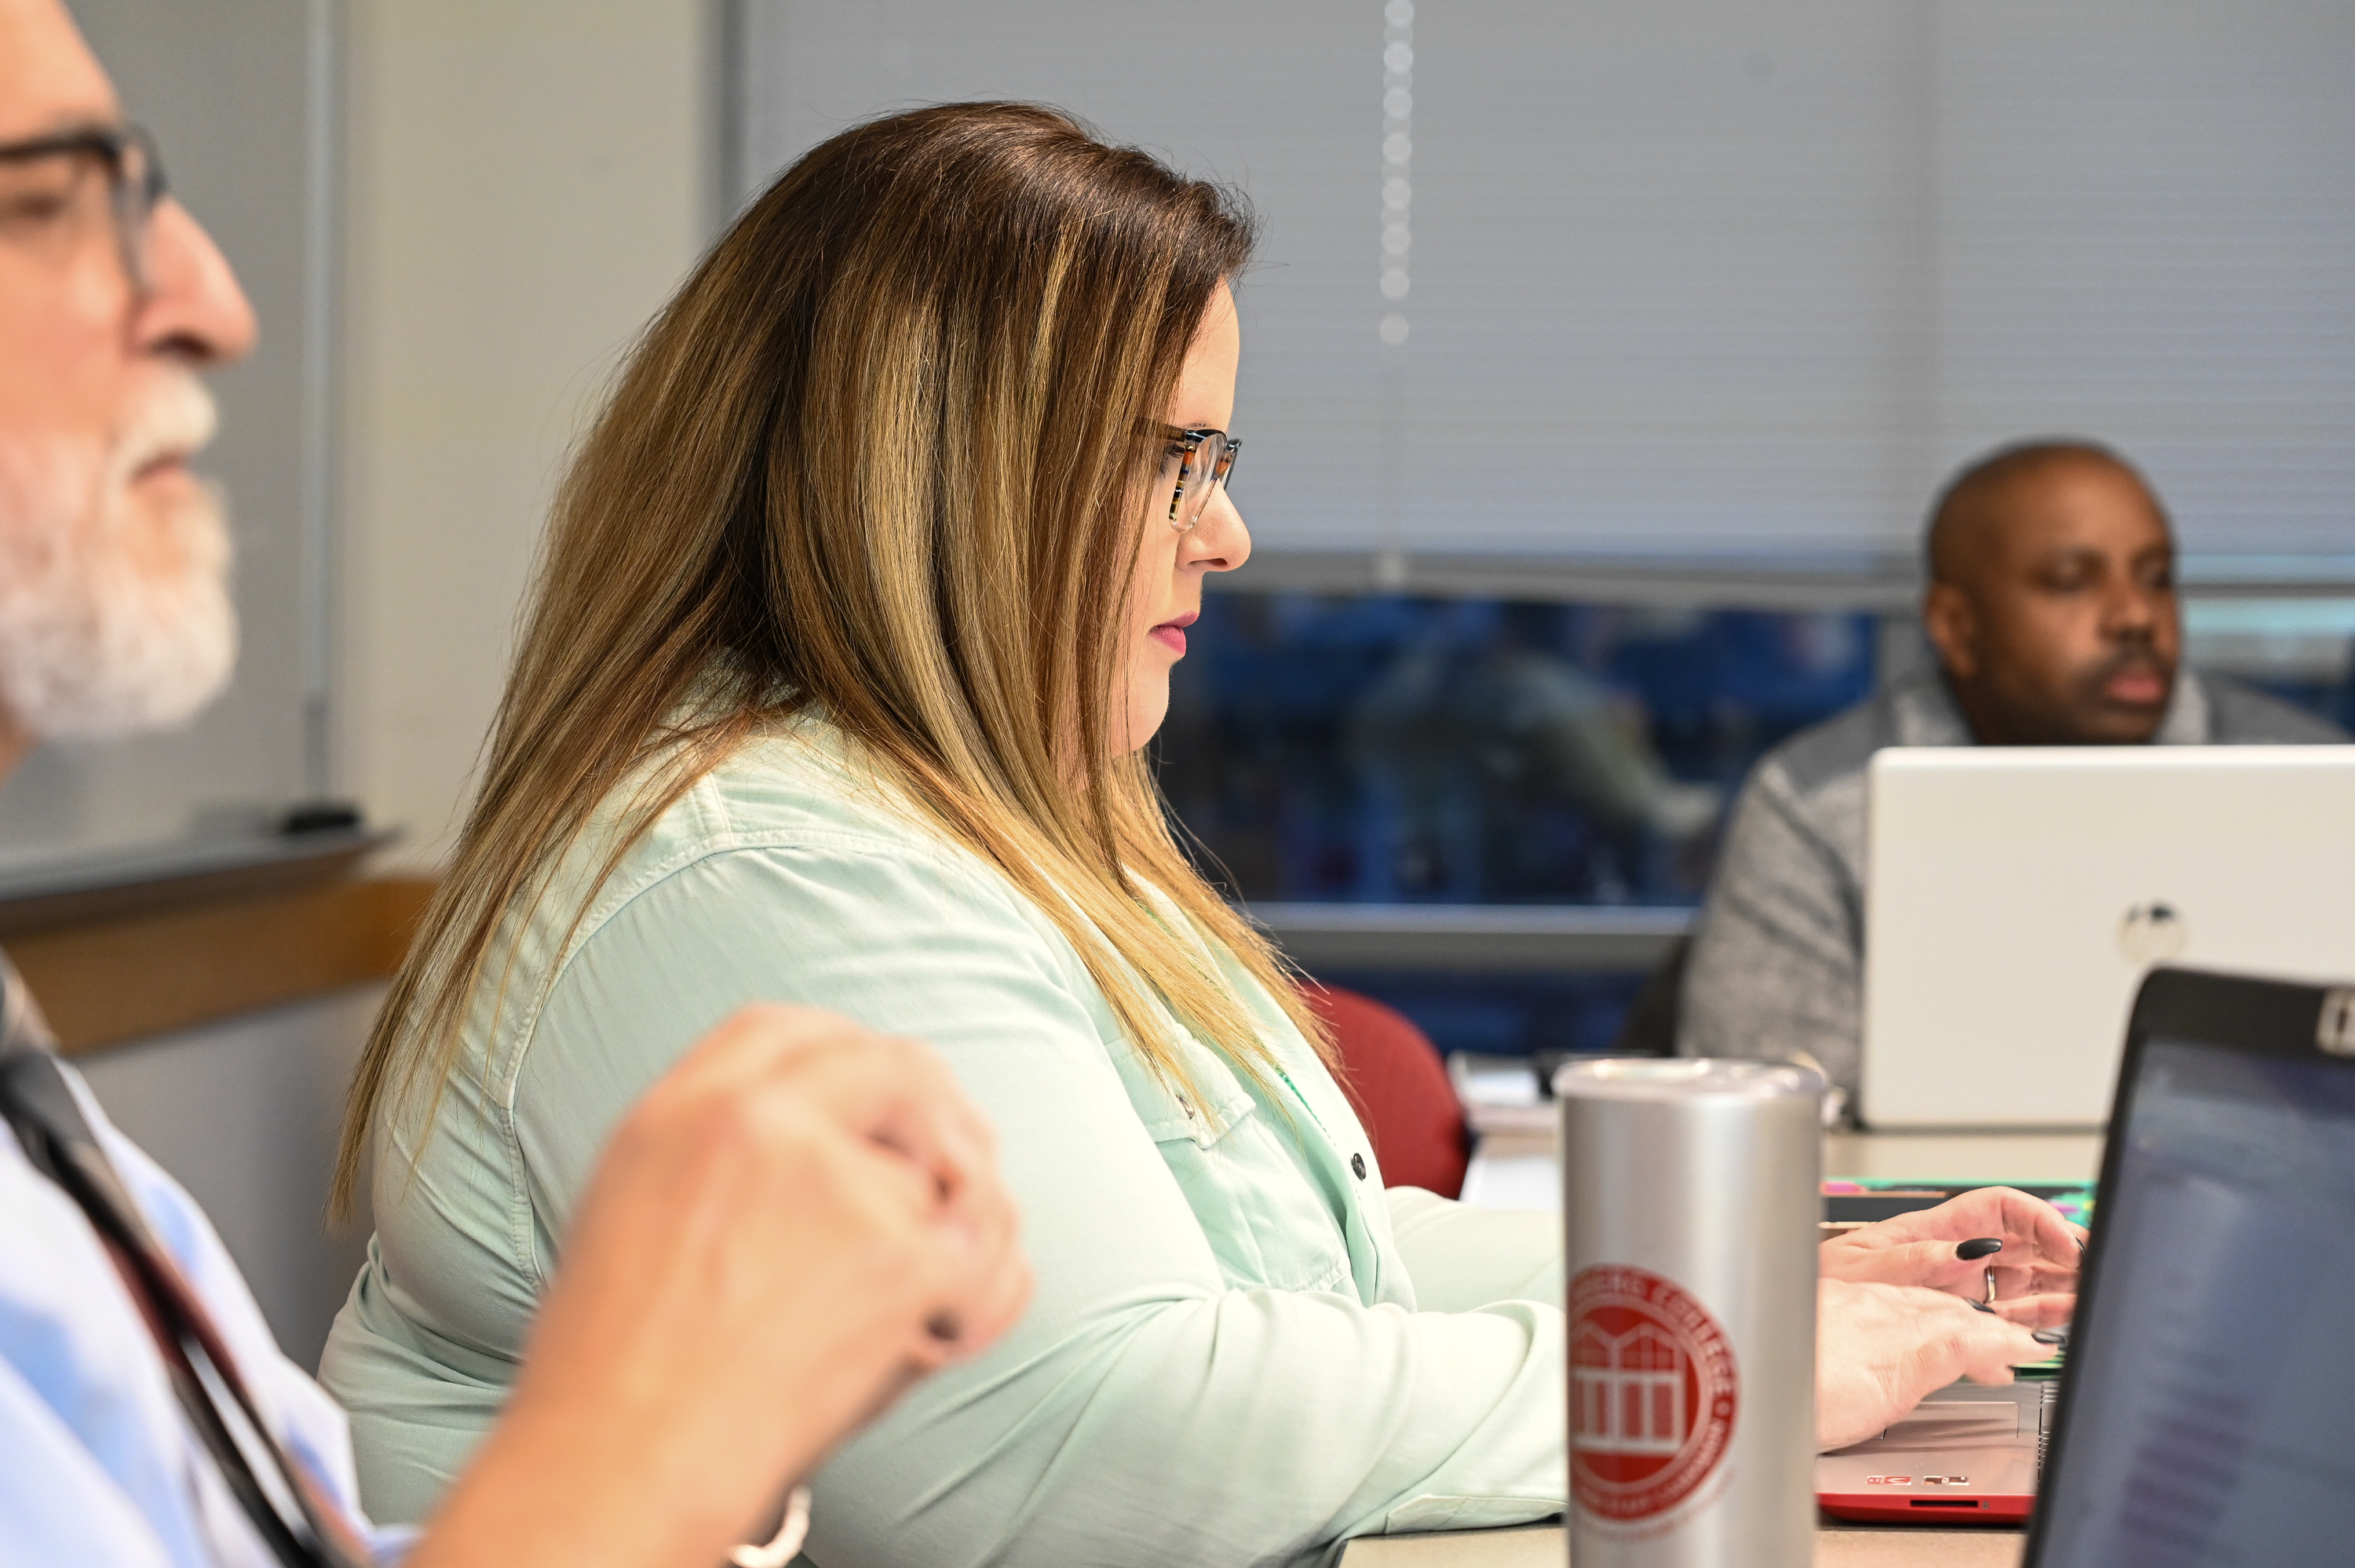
x: 2209, y: 1407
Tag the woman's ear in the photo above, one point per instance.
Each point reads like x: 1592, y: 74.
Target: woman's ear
x: 1952, y: 625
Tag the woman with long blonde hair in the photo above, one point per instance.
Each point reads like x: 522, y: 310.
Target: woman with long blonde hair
x: 858, y: 604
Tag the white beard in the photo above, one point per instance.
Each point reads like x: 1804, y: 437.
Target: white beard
x: 103, y: 632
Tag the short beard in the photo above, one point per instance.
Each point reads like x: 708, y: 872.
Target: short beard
x: 96, y: 640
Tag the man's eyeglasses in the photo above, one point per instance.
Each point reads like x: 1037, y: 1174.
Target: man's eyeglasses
x: 57, y: 191
x: 1201, y: 461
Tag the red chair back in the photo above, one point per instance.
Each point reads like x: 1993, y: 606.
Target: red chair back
x: 1395, y: 1080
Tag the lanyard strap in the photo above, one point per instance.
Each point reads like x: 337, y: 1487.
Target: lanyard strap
x: 296, y: 1520
x: 301, y: 1526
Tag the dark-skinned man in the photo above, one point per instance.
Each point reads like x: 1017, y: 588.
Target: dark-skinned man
x: 2052, y: 605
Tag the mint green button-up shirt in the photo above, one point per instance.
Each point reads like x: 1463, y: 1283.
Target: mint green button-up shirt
x: 1240, y: 1349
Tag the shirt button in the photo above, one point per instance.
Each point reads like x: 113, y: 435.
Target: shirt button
x: 1357, y: 1164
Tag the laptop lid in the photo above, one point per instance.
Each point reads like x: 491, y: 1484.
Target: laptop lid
x: 2210, y: 1388
x: 2016, y: 895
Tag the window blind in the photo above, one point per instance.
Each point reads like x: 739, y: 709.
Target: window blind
x: 1710, y: 279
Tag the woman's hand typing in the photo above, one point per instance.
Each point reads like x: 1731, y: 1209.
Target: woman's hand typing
x: 1901, y: 1308
x: 1880, y: 1348
x: 1944, y: 1249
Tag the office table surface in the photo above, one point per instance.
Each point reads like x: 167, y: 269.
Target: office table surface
x: 1541, y: 1546
x: 1520, y: 1173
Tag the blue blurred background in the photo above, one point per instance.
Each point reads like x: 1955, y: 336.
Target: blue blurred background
x: 1395, y: 751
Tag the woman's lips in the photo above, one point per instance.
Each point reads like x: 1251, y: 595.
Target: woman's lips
x: 1171, y: 634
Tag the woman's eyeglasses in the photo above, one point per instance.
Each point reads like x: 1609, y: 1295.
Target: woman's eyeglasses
x: 57, y: 191
x: 1201, y: 461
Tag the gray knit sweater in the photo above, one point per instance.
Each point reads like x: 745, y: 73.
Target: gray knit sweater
x: 1777, y: 962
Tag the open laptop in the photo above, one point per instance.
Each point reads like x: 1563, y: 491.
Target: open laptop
x: 2016, y: 895
x: 2203, y: 1411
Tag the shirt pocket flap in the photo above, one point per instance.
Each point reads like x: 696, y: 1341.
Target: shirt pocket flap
x: 1169, y: 1109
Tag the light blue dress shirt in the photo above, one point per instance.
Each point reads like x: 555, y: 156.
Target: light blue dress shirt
x: 97, y: 1467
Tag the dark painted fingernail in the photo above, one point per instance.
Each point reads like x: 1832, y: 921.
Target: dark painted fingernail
x: 2049, y: 1336
x: 1983, y: 1307
x: 1979, y: 1247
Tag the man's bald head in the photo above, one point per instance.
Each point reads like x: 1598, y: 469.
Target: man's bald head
x: 2051, y: 596
x: 1984, y: 499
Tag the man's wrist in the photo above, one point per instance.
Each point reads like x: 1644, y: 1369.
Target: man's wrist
x: 557, y: 1485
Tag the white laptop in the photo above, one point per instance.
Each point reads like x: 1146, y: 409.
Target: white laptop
x: 2015, y: 896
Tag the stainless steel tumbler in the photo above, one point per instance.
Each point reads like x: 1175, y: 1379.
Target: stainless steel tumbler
x: 1690, y: 1192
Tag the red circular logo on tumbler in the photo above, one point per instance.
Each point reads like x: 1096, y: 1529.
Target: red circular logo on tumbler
x: 1652, y: 1392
